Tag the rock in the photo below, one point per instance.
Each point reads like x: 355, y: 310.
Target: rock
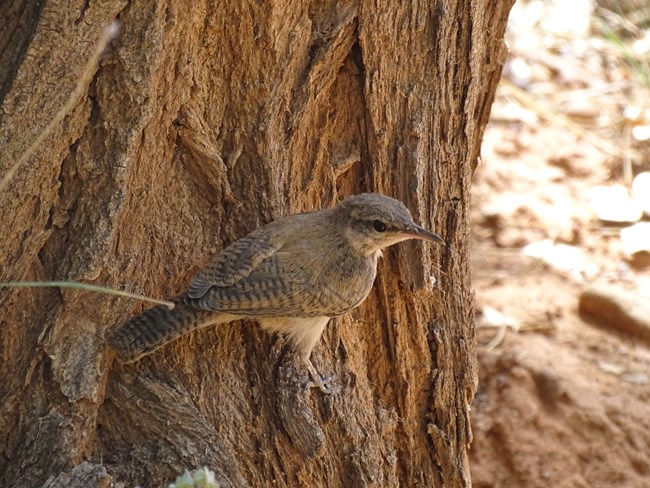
x: 614, y: 204
x: 636, y: 244
x: 618, y: 309
x: 641, y: 191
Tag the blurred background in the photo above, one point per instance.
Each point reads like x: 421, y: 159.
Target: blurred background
x: 561, y: 252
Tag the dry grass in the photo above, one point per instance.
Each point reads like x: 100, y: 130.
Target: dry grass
x: 599, y: 60
x: 80, y: 89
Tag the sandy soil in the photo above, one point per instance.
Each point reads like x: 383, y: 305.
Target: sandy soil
x: 563, y: 401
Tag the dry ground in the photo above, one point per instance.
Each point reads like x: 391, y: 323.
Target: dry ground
x: 562, y: 401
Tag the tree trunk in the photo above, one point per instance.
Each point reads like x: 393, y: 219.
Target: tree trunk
x: 203, y: 121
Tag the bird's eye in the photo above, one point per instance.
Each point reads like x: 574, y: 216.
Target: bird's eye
x: 379, y: 226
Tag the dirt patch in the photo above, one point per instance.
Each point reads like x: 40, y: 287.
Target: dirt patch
x: 562, y: 401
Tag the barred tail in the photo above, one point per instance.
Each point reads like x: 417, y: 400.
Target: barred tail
x: 154, y: 328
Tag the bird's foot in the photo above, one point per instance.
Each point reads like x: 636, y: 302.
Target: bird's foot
x: 317, y: 381
x: 321, y: 384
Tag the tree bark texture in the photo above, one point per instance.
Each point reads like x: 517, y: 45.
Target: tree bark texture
x: 203, y: 121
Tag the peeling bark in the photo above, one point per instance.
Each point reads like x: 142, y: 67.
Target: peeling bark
x: 200, y: 124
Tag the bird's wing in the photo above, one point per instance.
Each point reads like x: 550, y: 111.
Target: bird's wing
x: 233, y: 264
x: 272, y: 286
x: 282, y: 286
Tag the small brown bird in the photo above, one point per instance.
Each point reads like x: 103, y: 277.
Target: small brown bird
x: 291, y: 275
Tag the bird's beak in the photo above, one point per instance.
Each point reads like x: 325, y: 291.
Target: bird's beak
x: 414, y: 231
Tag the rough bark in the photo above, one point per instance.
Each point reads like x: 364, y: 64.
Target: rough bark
x: 203, y: 121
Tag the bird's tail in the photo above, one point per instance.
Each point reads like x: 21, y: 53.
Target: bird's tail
x: 153, y: 328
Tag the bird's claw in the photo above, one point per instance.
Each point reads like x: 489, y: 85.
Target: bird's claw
x: 321, y: 384
x: 317, y: 381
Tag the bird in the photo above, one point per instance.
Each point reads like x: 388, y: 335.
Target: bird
x: 292, y: 276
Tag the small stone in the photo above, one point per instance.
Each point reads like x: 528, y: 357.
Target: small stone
x: 614, y: 204
x: 617, y: 309
x: 641, y: 191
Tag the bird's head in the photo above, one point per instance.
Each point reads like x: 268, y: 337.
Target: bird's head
x: 375, y: 221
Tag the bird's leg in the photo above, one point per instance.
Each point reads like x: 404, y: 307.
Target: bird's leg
x: 317, y: 381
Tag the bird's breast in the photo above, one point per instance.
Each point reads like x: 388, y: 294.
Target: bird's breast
x: 345, y: 284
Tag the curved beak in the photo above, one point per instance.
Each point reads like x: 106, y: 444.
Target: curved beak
x: 414, y: 231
